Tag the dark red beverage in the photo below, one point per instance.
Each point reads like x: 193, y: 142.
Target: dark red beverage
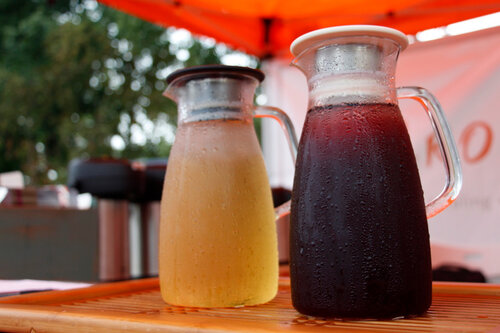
x: 359, y: 242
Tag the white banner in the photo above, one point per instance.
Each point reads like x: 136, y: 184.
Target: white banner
x: 463, y: 72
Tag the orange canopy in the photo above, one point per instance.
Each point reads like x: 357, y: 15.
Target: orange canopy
x: 267, y: 27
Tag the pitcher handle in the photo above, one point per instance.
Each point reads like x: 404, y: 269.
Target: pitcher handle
x: 447, y: 147
x: 289, y: 130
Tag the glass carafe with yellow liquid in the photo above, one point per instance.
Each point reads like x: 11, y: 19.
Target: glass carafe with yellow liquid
x: 218, y: 242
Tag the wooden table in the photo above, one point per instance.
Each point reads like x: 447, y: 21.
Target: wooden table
x: 136, y: 306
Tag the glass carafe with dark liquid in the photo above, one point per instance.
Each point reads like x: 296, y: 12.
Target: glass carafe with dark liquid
x: 218, y: 242
x: 359, y: 241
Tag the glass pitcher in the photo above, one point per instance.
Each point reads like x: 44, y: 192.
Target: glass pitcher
x: 218, y: 242
x: 359, y: 241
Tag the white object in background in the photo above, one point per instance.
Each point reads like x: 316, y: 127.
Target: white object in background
x: 13, y: 179
x: 12, y: 287
x: 463, y: 72
x: 286, y: 88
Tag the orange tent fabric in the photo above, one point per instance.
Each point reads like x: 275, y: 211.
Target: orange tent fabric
x: 266, y: 28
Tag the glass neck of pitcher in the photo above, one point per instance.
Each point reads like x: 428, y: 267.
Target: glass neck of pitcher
x: 350, y: 70
x: 212, y: 98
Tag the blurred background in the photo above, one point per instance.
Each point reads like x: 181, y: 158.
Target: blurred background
x: 81, y: 95
x: 79, y: 79
x: 81, y: 82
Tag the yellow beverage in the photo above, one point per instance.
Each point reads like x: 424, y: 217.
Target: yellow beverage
x: 218, y: 245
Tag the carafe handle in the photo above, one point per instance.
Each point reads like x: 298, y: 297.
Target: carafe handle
x: 447, y: 147
x: 287, y: 127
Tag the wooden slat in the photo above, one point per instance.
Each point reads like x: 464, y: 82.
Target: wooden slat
x: 464, y: 289
x: 136, y: 306
x: 95, y: 291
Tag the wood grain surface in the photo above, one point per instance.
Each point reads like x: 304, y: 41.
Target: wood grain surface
x: 136, y: 306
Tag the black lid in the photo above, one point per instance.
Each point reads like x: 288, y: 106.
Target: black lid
x: 105, y: 178
x: 217, y: 71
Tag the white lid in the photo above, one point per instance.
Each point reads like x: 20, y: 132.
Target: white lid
x: 307, y: 40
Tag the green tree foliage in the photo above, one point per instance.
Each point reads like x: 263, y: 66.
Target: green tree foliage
x: 76, y: 77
